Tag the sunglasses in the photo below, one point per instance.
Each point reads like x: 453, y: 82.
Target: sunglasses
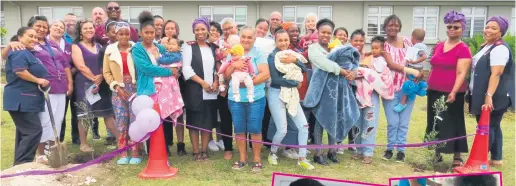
x: 113, y: 8
x: 450, y: 27
x: 122, y: 24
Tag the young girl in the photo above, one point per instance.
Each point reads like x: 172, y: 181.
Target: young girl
x: 118, y: 71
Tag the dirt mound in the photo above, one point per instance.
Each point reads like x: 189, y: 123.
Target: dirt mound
x: 85, y: 176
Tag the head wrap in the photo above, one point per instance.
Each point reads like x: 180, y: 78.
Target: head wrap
x: 121, y: 25
x: 502, y: 23
x: 201, y: 20
x: 452, y: 16
x: 287, y: 25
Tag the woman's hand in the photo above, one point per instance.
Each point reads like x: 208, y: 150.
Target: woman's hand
x: 97, y: 79
x: 488, y: 103
x: 15, y: 45
x: 43, y: 82
x: 419, y: 77
x: 122, y: 93
x: 215, y: 87
x: 206, y: 86
x: 350, y: 76
x: 239, y: 65
x: 300, y: 84
x: 451, y: 97
x: 175, y: 72
x: 70, y: 89
x: 288, y: 59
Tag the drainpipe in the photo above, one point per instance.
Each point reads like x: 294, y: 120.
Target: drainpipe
x: 19, y: 12
x: 257, y: 10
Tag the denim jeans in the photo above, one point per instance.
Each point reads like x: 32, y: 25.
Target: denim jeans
x: 495, y: 134
x: 367, y: 125
x: 279, y: 115
x: 247, y: 116
x: 397, y: 123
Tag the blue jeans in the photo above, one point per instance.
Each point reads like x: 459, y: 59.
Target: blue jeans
x: 367, y: 125
x: 279, y: 115
x: 397, y: 123
x: 247, y: 115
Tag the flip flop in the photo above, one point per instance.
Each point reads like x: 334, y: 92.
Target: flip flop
x: 135, y: 161
x: 123, y: 161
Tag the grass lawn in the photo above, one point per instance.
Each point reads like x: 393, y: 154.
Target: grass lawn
x: 218, y: 171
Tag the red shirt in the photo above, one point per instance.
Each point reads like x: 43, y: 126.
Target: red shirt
x: 125, y: 68
x: 444, y: 67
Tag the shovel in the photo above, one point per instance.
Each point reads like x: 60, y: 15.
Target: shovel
x: 57, y: 156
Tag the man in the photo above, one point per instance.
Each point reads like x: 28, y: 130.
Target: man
x: 275, y: 20
x: 69, y: 20
x: 158, y: 23
x: 98, y: 15
x: 113, y: 12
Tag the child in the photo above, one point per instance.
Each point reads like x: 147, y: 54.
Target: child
x: 237, y: 53
x: 292, y: 72
x: 232, y: 41
x: 414, y: 57
x: 169, y: 97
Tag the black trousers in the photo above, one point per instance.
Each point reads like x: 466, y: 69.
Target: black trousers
x: 226, y: 122
x: 28, y: 134
x: 168, y: 130
x: 74, y: 122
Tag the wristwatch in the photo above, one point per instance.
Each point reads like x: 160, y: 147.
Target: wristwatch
x: 490, y: 95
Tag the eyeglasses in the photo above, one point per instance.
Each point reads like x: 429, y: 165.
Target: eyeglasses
x: 113, y: 8
x: 450, y: 27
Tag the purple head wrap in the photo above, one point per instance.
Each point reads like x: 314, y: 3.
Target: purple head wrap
x: 201, y: 20
x: 502, y: 23
x: 452, y: 16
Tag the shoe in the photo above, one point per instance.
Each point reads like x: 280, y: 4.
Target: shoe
x: 181, y: 151
x: 352, y: 149
x: 400, y: 157
x: 320, y: 160
x: 273, y: 159
x: 305, y: 164
x: 388, y: 155
x: 110, y: 141
x: 76, y: 141
x: 95, y: 135
x: 340, y: 151
x: 220, y: 144
x: 135, y: 161
x: 123, y: 161
x: 212, y: 145
x: 399, y: 107
x: 290, y: 153
x: 332, y: 156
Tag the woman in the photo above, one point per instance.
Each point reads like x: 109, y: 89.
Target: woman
x: 22, y: 98
x: 397, y: 123
x: 225, y: 124
x: 247, y: 117
x: 262, y: 27
x: 330, y: 115
x: 85, y: 58
x: 119, y: 73
x: 451, y: 61
x: 201, y: 87
x: 277, y: 106
x: 56, y: 35
x: 492, y: 82
x: 310, y: 22
x: 229, y: 27
x: 158, y: 23
x: 170, y: 29
x: 341, y: 34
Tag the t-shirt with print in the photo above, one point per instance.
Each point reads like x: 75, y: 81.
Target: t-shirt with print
x: 257, y: 58
x: 414, y: 53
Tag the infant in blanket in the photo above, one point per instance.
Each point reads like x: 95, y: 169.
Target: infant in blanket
x: 245, y: 75
x: 232, y: 41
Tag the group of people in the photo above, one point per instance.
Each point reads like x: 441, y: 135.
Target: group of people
x: 303, y: 81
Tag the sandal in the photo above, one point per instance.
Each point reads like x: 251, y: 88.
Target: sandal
x: 238, y: 165
x: 196, y: 157
x: 457, y: 162
x: 204, y: 156
x: 357, y: 156
x: 257, y: 167
x: 367, y: 160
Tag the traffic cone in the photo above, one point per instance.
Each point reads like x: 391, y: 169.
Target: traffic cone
x: 157, y: 166
x: 478, y: 158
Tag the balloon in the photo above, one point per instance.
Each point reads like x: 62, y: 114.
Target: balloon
x: 148, y: 120
x: 141, y: 102
x: 136, y: 133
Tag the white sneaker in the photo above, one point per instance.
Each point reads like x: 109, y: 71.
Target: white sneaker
x: 220, y: 144
x: 273, y: 159
x: 212, y: 145
x: 340, y: 151
x: 291, y: 153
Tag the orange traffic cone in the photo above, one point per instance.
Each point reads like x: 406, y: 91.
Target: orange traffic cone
x: 157, y: 166
x: 478, y: 158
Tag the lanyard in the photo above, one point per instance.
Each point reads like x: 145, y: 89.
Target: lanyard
x: 48, y: 48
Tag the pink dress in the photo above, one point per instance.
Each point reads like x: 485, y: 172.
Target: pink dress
x: 398, y: 57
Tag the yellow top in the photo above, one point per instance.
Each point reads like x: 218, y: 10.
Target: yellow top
x: 334, y: 44
x: 237, y: 50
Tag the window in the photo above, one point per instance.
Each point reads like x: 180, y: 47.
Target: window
x: 59, y: 12
x: 513, y: 22
x: 375, y: 17
x: 217, y: 13
x: 475, y: 20
x: 297, y: 13
x: 426, y: 18
x: 131, y: 13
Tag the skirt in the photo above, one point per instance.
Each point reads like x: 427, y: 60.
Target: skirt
x: 451, y: 124
x: 205, y: 118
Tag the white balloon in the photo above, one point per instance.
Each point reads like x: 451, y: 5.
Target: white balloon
x: 136, y: 133
x: 141, y: 102
x: 148, y: 119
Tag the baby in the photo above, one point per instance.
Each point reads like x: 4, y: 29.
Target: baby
x: 245, y: 75
x: 232, y: 41
x: 415, y: 56
x: 292, y: 72
x: 167, y: 88
x: 378, y: 63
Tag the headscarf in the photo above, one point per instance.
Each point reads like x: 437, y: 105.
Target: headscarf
x: 121, y: 25
x: 502, y: 23
x: 452, y: 16
x: 201, y: 20
x: 287, y: 25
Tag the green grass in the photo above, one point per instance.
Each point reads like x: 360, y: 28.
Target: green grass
x: 218, y: 171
